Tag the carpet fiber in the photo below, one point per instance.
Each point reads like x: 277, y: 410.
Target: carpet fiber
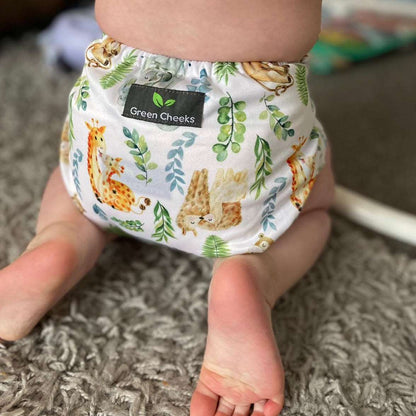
x: 129, y: 339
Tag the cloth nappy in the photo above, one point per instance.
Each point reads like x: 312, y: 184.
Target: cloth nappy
x: 211, y: 158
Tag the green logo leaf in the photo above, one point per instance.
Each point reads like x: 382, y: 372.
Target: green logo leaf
x: 168, y: 103
x: 157, y: 100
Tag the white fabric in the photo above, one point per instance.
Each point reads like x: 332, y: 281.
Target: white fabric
x: 190, y: 195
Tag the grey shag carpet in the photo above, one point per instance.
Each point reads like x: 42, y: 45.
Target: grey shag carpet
x: 129, y: 339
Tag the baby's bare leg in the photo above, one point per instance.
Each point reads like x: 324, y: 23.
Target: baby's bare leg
x: 242, y: 363
x: 65, y: 247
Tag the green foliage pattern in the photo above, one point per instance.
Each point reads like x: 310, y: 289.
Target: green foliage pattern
x: 215, y: 246
x: 263, y: 165
x: 301, y: 83
x: 231, y: 116
x: 317, y: 134
x: 119, y: 72
x: 141, y: 154
x: 223, y: 69
x: 279, y: 122
x: 71, y: 134
x: 163, y: 223
x: 136, y: 225
x: 83, y: 92
x: 80, y: 101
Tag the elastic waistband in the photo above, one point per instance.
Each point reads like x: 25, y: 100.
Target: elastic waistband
x: 117, y: 46
x: 157, y: 70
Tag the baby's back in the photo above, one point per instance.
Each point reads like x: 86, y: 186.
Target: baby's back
x: 214, y: 30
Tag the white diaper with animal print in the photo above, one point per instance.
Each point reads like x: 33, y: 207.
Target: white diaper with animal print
x: 212, y: 158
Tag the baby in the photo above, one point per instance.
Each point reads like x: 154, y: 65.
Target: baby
x: 191, y: 125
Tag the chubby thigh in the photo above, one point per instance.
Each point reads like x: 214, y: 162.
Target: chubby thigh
x: 215, y: 159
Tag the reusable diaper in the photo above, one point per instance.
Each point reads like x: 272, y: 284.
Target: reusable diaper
x: 211, y: 158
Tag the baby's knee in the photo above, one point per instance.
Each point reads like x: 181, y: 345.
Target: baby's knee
x: 323, y: 218
x: 320, y: 220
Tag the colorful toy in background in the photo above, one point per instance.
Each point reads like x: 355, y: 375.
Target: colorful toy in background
x: 355, y: 30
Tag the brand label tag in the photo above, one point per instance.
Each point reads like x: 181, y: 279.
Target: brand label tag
x: 164, y: 106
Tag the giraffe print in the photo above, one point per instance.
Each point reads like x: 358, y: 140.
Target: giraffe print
x: 200, y: 196
x: 106, y: 189
x: 301, y: 184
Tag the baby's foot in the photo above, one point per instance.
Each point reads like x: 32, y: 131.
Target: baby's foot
x: 65, y: 248
x: 242, y: 363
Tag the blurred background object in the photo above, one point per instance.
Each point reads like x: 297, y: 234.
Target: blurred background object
x: 68, y: 26
x: 369, y: 115
x: 356, y: 30
x: 78, y: 25
x: 18, y: 15
x: 373, y: 147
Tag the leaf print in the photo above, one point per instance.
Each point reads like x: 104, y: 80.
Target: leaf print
x: 119, y: 72
x: 174, y: 167
x: 132, y: 225
x: 316, y: 133
x: 278, y: 121
x: 215, y: 246
x: 163, y: 223
x: 263, y: 165
x: 223, y: 69
x: 270, y: 204
x: 301, y: 83
x: 157, y: 100
x: 141, y: 154
x: 76, y: 160
x: 83, y: 94
x: 263, y: 115
x: 170, y: 102
x: 100, y: 212
x: 191, y: 137
x: 81, y: 102
x: 231, y: 116
x: 71, y: 134
x: 201, y: 84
